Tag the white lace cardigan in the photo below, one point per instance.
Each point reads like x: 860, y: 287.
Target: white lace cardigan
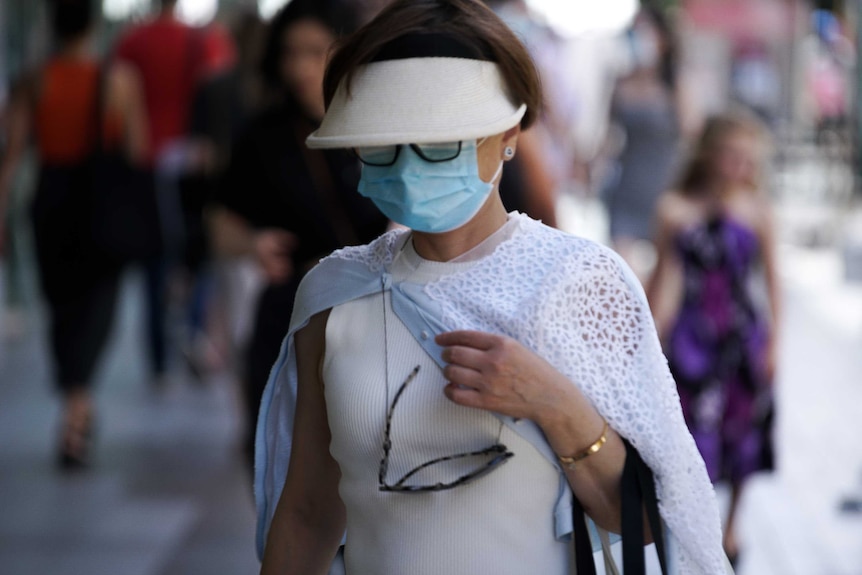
x: 573, y: 302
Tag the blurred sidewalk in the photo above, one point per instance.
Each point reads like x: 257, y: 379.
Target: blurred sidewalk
x: 168, y: 493
x: 791, y: 520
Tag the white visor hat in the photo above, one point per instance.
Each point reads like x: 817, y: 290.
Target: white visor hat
x: 408, y: 96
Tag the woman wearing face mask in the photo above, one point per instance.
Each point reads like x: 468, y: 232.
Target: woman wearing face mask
x: 445, y: 390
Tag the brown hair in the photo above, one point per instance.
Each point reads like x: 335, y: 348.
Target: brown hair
x: 698, y: 172
x: 470, y: 21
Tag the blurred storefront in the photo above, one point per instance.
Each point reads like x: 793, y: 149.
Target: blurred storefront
x: 794, y: 62
x: 744, y: 51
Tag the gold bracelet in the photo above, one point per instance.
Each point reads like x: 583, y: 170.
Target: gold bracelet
x: 594, y: 448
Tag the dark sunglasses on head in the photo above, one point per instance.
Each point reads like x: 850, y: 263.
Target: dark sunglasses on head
x: 387, y: 155
x: 499, y: 454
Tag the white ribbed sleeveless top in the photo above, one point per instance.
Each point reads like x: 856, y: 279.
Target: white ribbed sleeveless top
x: 502, y: 523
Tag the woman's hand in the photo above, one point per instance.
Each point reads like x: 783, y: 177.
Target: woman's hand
x: 497, y: 373
x: 273, y: 248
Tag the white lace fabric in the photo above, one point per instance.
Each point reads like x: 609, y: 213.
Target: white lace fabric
x: 579, y: 306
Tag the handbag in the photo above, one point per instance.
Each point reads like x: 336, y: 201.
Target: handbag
x: 125, y: 221
x: 125, y: 224
x: 637, y: 490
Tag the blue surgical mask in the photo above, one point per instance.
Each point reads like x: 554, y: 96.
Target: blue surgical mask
x: 431, y: 197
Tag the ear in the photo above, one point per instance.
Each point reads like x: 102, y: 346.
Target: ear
x: 509, y: 143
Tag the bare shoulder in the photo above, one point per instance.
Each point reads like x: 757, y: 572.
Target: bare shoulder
x: 753, y: 208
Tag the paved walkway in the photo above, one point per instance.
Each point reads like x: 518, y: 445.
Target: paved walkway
x: 168, y: 495
x: 791, y: 519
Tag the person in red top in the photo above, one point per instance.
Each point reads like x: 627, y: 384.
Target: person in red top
x: 171, y: 58
x: 57, y: 106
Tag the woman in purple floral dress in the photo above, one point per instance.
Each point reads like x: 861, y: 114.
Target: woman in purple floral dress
x: 715, y: 235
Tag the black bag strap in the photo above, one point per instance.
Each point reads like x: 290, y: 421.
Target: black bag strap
x: 647, y: 482
x: 584, y: 562
x: 637, y: 492
x: 632, y: 516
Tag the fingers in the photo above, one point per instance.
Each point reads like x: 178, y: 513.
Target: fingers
x: 477, y: 355
x: 463, y: 377
x: 467, y: 338
x: 475, y: 368
x: 464, y: 356
x: 275, y: 241
x: 463, y: 395
x: 273, y: 248
x: 276, y: 268
x: 277, y: 274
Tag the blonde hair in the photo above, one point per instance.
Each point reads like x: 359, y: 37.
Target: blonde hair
x: 699, y: 170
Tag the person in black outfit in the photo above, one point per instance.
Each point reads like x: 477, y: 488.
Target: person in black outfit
x: 301, y: 204
x: 68, y: 107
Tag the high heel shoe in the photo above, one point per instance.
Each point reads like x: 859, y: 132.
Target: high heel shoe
x: 732, y: 553
x: 733, y: 559
x: 75, y: 444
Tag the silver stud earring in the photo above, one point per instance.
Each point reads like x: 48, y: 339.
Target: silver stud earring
x: 509, y: 153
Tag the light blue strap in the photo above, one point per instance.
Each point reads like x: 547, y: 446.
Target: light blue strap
x: 420, y: 315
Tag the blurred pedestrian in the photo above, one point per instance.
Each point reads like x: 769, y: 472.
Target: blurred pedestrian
x: 531, y: 180
x: 224, y: 102
x: 216, y: 111
x: 62, y: 105
x: 301, y: 204
x: 828, y: 74
x: 715, y: 235
x: 171, y: 58
x: 16, y: 297
x: 646, y: 117
x: 513, y: 359
x: 755, y: 81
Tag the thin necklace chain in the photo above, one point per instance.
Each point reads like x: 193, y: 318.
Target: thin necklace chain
x: 386, y: 346
x: 385, y: 351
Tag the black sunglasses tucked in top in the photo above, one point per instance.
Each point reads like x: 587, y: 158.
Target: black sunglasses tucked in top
x: 499, y: 452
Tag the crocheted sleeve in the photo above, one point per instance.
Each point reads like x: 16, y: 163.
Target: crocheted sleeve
x: 595, y: 326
